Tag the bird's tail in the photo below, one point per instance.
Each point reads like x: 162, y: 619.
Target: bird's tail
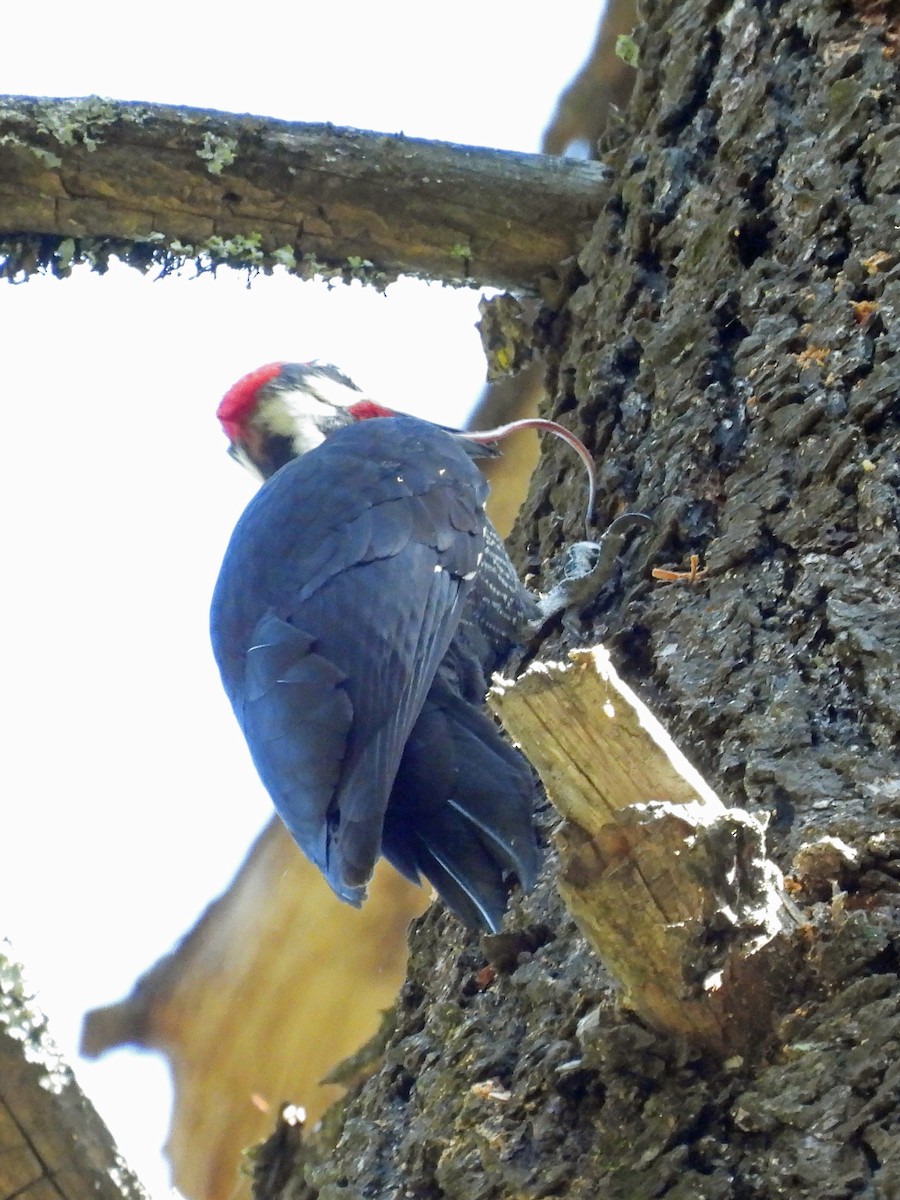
x: 461, y: 810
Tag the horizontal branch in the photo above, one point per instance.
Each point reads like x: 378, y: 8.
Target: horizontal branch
x: 672, y: 889
x: 255, y: 191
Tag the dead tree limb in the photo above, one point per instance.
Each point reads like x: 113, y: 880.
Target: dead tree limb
x: 259, y: 192
x: 255, y: 1006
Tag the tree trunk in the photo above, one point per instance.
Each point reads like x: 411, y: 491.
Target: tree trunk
x: 728, y: 350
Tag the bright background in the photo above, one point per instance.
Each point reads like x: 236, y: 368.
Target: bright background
x: 128, y: 796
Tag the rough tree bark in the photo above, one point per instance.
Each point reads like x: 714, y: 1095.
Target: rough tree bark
x: 729, y: 350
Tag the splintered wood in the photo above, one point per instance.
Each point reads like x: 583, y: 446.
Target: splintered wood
x: 671, y: 888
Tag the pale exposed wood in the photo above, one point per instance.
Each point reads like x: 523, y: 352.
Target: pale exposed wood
x: 256, y: 191
x: 277, y: 983
x: 53, y: 1146
x: 583, y: 108
x: 672, y: 888
x: 503, y: 401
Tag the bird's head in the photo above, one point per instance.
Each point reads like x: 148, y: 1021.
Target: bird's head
x: 283, y: 410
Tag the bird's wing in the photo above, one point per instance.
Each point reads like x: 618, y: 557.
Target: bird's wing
x: 339, y: 595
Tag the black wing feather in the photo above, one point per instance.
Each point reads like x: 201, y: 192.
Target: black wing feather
x: 341, y: 589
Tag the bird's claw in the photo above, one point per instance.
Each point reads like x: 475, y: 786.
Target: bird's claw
x: 589, y: 565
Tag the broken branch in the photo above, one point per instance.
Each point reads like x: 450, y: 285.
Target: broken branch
x: 672, y: 889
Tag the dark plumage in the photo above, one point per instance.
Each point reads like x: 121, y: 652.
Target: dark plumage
x: 362, y: 604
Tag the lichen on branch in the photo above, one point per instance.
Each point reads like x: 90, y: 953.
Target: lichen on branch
x: 83, y: 179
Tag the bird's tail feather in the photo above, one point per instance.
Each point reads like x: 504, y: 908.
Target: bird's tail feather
x: 461, y: 811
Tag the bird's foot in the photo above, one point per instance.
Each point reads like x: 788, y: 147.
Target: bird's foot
x: 588, y: 566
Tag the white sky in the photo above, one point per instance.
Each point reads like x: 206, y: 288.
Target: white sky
x: 129, y: 798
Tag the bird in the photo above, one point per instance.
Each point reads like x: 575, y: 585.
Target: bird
x: 364, y: 601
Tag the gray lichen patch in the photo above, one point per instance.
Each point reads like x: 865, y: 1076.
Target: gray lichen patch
x: 24, y: 1022
x: 77, y: 121
x: 217, y: 152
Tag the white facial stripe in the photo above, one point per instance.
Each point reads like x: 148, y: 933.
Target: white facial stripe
x: 331, y: 392
x: 300, y: 413
x: 294, y: 415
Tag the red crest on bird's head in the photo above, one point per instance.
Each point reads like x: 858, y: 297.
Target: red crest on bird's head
x: 241, y: 399
x: 282, y: 410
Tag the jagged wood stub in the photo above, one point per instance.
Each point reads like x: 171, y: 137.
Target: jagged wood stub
x: 158, y: 181
x: 671, y: 888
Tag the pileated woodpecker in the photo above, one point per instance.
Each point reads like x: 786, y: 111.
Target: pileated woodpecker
x: 364, y: 602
